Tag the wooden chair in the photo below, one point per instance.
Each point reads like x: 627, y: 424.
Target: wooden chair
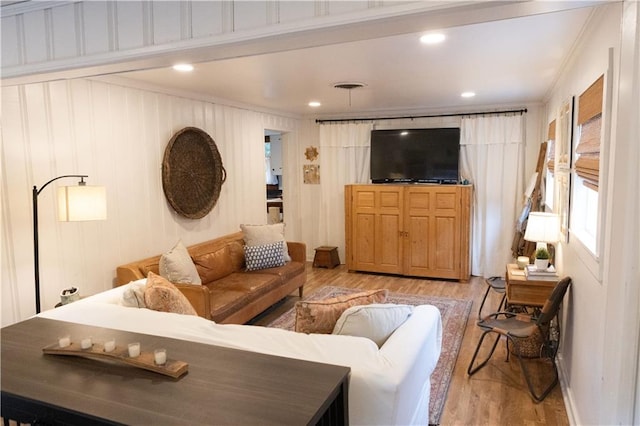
x: 515, y: 326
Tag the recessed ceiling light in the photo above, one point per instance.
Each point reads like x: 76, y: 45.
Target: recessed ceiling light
x: 314, y: 104
x: 468, y: 94
x: 432, y: 38
x: 183, y: 67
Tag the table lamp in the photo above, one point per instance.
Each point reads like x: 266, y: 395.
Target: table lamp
x: 542, y: 228
x: 75, y: 203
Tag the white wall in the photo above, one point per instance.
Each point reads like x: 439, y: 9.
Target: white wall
x: 599, y: 350
x: 117, y: 136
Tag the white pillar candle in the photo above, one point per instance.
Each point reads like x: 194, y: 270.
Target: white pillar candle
x: 134, y: 350
x: 160, y: 356
x: 64, y: 341
x: 109, y: 345
x: 86, y: 343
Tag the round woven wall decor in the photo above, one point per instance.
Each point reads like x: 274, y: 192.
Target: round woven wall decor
x: 192, y: 173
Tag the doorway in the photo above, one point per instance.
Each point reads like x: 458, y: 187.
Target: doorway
x: 273, y: 175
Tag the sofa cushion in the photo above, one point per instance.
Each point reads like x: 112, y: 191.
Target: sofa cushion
x: 176, y: 266
x: 161, y: 295
x: 286, y: 272
x: 214, y: 265
x: 257, y: 235
x: 237, y: 290
x: 376, y: 321
x: 264, y: 256
x: 236, y: 251
x: 152, y: 265
x: 133, y: 294
x: 321, y: 316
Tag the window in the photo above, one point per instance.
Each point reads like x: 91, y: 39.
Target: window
x: 586, y: 170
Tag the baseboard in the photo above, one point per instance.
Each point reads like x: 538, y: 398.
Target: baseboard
x: 567, y: 395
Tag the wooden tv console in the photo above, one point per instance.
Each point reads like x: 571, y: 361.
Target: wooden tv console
x: 409, y: 229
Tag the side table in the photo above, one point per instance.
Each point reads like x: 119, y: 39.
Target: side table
x: 522, y: 290
x: 326, y: 257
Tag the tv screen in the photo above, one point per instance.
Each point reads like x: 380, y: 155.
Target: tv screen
x: 415, y: 155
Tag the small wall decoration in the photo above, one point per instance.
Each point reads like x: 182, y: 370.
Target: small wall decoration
x: 192, y: 173
x: 311, y: 173
x: 311, y: 153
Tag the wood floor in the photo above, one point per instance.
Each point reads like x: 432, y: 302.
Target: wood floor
x: 497, y: 394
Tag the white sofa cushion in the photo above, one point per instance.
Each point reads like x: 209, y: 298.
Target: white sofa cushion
x: 376, y: 322
x: 133, y: 294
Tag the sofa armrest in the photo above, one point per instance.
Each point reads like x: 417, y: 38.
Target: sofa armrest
x: 198, y: 296
x: 127, y: 273
x: 297, y: 251
x: 411, y: 353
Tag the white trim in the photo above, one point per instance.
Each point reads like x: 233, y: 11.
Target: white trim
x: 567, y: 395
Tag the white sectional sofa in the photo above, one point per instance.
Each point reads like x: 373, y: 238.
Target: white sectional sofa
x: 388, y: 385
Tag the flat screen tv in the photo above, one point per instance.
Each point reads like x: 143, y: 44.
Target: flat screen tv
x: 415, y: 155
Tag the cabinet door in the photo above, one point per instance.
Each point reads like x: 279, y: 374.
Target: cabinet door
x: 432, y: 224
x: 375, y: 240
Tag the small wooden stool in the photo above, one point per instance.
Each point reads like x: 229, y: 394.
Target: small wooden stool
x: 326, y: 257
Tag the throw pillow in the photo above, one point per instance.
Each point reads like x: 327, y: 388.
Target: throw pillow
x: 133, y: 295
x: 264, y: 256
x: 161, y: 295
x: 176, y: 266
x: 258, y: 235
x: 376, y: 321
x: 321, y: 316
x: 214, y: 265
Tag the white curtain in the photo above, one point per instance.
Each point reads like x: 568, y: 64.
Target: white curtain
x: 492, y: 158
x: 344, y: 159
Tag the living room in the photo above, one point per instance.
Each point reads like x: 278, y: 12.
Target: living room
x: 119, y: 142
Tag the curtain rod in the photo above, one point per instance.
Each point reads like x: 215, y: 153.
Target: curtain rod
x: 336, y: 120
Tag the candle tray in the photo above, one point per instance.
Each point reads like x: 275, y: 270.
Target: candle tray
x: 145, y: 360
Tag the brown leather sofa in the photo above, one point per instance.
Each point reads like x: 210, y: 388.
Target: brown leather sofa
x: 229, y: 294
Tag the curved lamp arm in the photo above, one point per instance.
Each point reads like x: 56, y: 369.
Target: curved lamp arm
x: 36, y: 256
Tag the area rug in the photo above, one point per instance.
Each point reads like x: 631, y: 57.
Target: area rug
x: 454, y: 314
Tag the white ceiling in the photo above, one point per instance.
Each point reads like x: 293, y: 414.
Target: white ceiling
x: 505, y: 62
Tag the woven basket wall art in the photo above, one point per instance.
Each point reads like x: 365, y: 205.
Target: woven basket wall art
x: 192, y: 173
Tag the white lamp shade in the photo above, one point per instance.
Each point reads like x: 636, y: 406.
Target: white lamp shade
x: 542, y: 227
x: 82, y: 202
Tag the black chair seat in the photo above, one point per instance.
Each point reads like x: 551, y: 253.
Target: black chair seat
x: 497, y: 284
x: 514, y: 325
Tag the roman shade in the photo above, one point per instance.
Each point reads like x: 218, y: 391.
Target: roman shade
x: 587, y: 165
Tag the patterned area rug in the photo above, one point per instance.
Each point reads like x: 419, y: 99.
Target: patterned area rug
x: 454, y: 314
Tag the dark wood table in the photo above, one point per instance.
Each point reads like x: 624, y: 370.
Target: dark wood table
x: 222, y: 386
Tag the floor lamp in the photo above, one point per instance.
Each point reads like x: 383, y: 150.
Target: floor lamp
x: 75, y: 203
